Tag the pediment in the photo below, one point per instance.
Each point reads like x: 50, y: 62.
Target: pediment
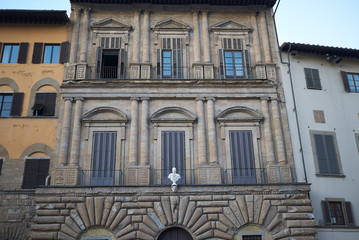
x: 239, y: 114
x: 229, y: 25
x: 111, y: 24
x: 104, y: 114
x: 173, y: 114
x: 171, y: 25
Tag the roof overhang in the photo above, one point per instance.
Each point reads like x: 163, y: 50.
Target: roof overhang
x: 33, y: 17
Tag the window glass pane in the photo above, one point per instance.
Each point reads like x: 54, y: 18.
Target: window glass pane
x: 14, y: 53
x: 350, y: 77
x: 47, y: 54
x: 6, y: 54
x: 5, y: 105
x: 55, y: 54
x: 51, y: 54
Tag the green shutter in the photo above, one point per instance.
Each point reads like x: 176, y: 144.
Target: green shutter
x: 37, y: 53
x: 316, y: 79
x: 248, y: 69
x: 16, y: 106
x: 42, y: 171
x: 0, y: 51
x: 24, y: 47
x: 1, y: 163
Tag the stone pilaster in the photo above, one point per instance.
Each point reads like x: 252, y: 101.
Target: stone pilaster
x: 75, y: 35
x: 202, y: 150
x: 146, y: 36
x: 256, y: 39
x: 212, y: 138
x: 205, y: 37
x: 196, y: 37
x: 278, y: 132
x: 136, y: 36
x: 76, y: 133
x: 144, y: 132
x: 85, y: 29
x: 133, y: 132
x: 65, y: 132
x: 265, y: 38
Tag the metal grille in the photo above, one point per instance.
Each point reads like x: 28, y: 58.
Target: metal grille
x: 252, y: 237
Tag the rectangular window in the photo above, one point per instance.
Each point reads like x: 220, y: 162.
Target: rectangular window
x: 326, y: 153
x: 337, y: 212
x: 10, y: 53
x: 252, y: 237
x: 166, y: 64
x: 353, y: 80
x: 51, y: 53
x: 35, y: 173
x: 234, y: 64
x: 312, y: 78
x: 44, y: 104
x: 170, y: 59
x: 11, y: 104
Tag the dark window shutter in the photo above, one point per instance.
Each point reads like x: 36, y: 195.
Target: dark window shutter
x: 349, y: 213
x: 248, y: 69
x: 316, y: 79
x: 16, y: 106
x: 24, y: 47
x: 159, y: 56
x: 321, y: 153
x: 312, y: 78
x: 1, y: 162
x: 42, y: 171
x: 64, y: 52
x: 37, y: 54
x: 122, y: 63
x: 30, y: 172
x: 345, y: 81
x: 98, y: 61
x: 308, y: 77
x: 326, y: 213
x: 0, y: 51
x: 49, y: 104
x: 332, y: 155
x: 221, y: 64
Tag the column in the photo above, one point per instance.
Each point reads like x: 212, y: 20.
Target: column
x: 136, y: 36
x: 201, y: 133
x: 76, y: 133
x: 205, y: 37
x: 265, y: 39
x: 278, y: 132
x: 133, y: 132
x: 65, y: 132
x: 146, y: 36
x: 268, y: 140
x: 85, y: 35
x: 256, y: 41
x: 196, y: 37
x: 212, y: 139
x: 75, y: 35
x: 144, y: 132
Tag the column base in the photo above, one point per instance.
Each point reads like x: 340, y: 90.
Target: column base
x: 66, y: 176
x: 209, y: 174
x: 138, y: 175
x: 286, y: 174
x: 273, y: 174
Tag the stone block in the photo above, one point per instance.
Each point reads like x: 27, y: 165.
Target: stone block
x: 149, y: 198
x: 42, y: 212
x: 43, y: 235
x: 47, y: 199
x: 49, y: 219
x: 137, y: 218
x: 45, y: 227
x: 200, y: 198
x: 73, y: 199
x: 212, y: 210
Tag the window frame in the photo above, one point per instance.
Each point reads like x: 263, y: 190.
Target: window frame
x: 356, y: 86
x: 45, y: 105
x: 234, y: 64
x: 346, y: 210
x: 35, y: 175
x: 9, y: 61
x: 177, y: 67
x: 242, y: 234
x: 16, y: 103
x: 52, y: 59
x: 313, y: 83
x: 315, y: 155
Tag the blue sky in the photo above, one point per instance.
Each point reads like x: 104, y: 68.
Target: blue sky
x: 323, y: 22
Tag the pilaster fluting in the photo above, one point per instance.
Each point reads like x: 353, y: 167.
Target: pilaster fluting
x: 196, y: 37
x: 268, y: 139
x: 202, y: 151
x: 76, y: 133
x: 136, y: 36
x: 85, y: 35
x: 75, y: 35
x: 205, y: 37
x: 65, y: 132
x: 212, y: 139
x: 265, y: 39
x: 146, y: 36
x: 144, y: 132
x: 278, y: 132
x: 133, y: 132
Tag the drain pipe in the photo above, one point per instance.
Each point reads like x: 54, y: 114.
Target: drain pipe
x: 292, y: 89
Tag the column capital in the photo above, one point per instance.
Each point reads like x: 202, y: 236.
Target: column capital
x: 205, y: 11
x: 79, y: 99
x: 135, y: 98
x: 200, y: 99
x: 211, y: 99
x: 67, y: 99
x: 264, y: 98
x: 147, y: 11
x: 87, y: 10
x: 195, y: 11
x: 145, y: 98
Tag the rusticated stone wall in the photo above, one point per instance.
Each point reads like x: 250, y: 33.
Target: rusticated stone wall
x: 206, y: 212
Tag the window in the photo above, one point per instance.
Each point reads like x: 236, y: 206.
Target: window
x: 252, y: 237
x: 326, y: 153
x: 337, y: 212
x: 351, y: 81
x: 11, y: 104
x: 44, y: 104
x: 35, y: 173
x: 312, y: 78
x: 170, y: 59
x: 233, y: 61
x: 1, y: 162
x: 14, y: 53
x: 50, y: 53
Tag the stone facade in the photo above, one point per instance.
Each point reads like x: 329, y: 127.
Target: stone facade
x: 206, y: 212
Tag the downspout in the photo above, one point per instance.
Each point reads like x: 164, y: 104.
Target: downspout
x: 292, y: 89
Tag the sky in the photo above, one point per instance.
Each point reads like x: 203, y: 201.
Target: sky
x: 321, y: 22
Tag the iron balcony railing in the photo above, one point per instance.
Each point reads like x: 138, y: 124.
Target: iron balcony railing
x: 101, y: 178
x: 245, y: 176
x: 171, y: 72
x: 160, y: 176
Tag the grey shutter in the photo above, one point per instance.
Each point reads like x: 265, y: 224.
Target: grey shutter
x: 332, y: 155
x: 24, y: 47
x: 30, y: 171
x: 37, y: 53
x: 122, y: 63
x: 42, y: 171
x: 103, y: 158
x: 349, y: 214
x: 221, y: 64
x: 243, y: 169
x: 173, y: 155
x: 248, y: 70
x: 117, y: 44
x: 1, y: 163
x: 321, y: 153
x: 16, y: 106
x: 98, y: 61
x: 316, y: 79
x: 326, y: 213
x: 312, y: 78
x: 49, y: 104
x: 159, y: 63
x: 64, y: 52
x: 345, y: 81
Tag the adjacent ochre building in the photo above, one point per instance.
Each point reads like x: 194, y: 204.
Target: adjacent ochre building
x: 156, y: 84
x: 325, y: 134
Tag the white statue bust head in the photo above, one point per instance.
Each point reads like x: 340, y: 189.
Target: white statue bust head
x: 174, y: 177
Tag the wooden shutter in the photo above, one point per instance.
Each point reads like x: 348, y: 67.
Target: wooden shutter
x: 98, y: 62
x: 42, y: 171
x: 345, y: 81
x: 1, y: 162
x: 16, y: 106
x: 312, y: 78
x: 37, y: 54
x: 321, y: 153
x: 349, y: 214
x: 24, y: 47
x: 221, y: 64
x: 122, y: 63
x: 0, y: 51
x: 247, y: 68
x: 39, y: 102
x: 159, y: 63
x: 49, y: 104
x: 64, y: 52
x: 326, y: 154
x: 332, y: 154
x: 173, y: 154
x: 242, y: 155
x: 326, y: 213
x: 30, y: 171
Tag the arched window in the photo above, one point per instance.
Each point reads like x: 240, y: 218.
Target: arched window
x: 175, y: 233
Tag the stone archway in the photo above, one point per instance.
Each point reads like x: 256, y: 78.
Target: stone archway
x: 175, y: 233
